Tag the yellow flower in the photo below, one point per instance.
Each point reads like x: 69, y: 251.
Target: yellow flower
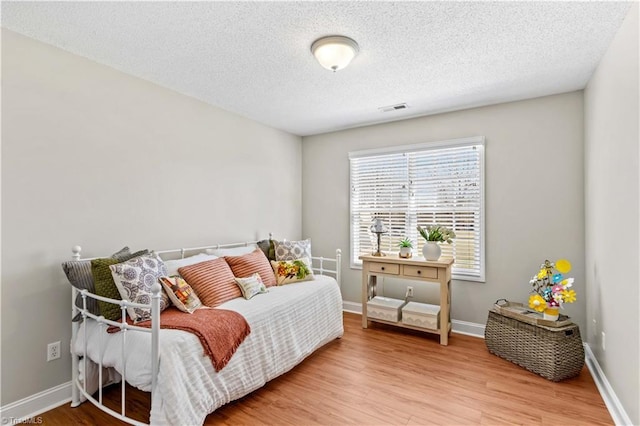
x: 563, y: 266
x: 542, y: 273
x: 537, y: 302
x: 569, y: 296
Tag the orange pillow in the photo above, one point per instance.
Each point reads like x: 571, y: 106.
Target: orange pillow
x: 249, y: 264
x: 212, y: 281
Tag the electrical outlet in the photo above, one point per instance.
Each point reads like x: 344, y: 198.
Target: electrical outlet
x: 53, y: 351
x: 409, y: 291
x: 603, y: 346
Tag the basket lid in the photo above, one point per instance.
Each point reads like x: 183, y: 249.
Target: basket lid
x: 421, y: 308
x: 386, y: 302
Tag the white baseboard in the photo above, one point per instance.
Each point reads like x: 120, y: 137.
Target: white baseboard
x: 469, y: 328
x: 38, y: 403
x: 619, y: 415
x: 352, y: 307
x: 457, y: 326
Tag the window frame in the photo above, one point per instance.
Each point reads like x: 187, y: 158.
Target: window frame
x: 478, y: 141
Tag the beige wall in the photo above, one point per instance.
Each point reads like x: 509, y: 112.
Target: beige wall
x: 534, y: 193
x: 612, y: 214
x: 94, y: 157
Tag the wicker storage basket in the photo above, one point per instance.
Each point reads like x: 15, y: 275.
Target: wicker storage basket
x: 554, y: 353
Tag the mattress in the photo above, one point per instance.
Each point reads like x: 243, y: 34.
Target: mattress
x: 287, y: 324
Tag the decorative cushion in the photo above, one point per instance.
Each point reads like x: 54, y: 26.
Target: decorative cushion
x: 134, y: 279
x: 212, y: 281
x: 291, y: 271
x: 244, y: 266
x: 268, y: 248
x: 251, y: 286
x: 292, y: 250
x: 79, y: 275
x: 233, y: 251
x: 173, y: 265
x: 105, y: 286
x: 180, y: 293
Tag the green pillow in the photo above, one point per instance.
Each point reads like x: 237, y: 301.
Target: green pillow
x: 79, y: 275
x: 106, y: 287
x: 268, y: 248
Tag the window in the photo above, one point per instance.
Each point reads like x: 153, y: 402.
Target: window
x: 436, y: 183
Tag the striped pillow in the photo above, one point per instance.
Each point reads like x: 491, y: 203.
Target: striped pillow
x: 249, y: 264
x: 212, y: 281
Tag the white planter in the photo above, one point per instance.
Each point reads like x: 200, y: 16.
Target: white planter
x: 431, y: 250
x: 405, y: 252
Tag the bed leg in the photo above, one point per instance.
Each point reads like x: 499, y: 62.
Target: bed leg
x: 339, y: 267
x: 75, y: 394
x: 156, y: 290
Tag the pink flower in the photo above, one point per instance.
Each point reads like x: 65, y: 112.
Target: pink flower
x: 557, y: 288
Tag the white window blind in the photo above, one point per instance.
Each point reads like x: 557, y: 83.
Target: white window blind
x: 438, y: 183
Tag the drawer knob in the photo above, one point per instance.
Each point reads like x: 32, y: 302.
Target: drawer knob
x: 382, y: 268
x: 419, y: 271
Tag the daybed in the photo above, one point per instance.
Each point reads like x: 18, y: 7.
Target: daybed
x: 287, y: 324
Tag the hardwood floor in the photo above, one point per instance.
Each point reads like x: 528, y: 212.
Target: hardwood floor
x: 384, y: 375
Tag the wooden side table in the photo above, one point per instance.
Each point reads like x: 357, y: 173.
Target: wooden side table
x: 414, y: 269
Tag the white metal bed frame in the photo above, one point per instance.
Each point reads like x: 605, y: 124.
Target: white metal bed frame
x: 78, y: 388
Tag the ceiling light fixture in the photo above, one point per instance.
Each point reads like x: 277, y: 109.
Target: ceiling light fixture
x: 334, y: 52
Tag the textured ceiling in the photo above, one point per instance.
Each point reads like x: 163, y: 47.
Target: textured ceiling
x: 253, y: 58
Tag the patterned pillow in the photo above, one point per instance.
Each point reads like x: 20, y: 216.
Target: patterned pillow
x: 134, y: 279
x: 180, y: 293
x: 212, y: 281
x: 79, y: 275
x: 244, y: 266
x: 292, y: 250
x: 105, y: 286
x: 251, y: 286
x: 291, y: 271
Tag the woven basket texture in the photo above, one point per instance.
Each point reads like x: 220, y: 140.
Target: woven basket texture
x: 554, y: 353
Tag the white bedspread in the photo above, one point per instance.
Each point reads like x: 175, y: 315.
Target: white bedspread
x: 287, y: 325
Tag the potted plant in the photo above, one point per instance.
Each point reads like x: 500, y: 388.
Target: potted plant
x: 405, y: 248
x: 435, y: 234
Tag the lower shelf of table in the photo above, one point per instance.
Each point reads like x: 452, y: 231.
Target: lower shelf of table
x: 402, y: 325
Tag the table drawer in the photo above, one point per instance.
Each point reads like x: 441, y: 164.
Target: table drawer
x: 420, y: 271
x: 385, y: 268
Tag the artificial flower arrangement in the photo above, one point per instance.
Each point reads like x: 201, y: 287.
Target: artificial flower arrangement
x: 437, y: 233
x: 551, y: 290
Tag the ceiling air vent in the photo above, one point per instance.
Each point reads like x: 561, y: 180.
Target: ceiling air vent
x: 396, y: 107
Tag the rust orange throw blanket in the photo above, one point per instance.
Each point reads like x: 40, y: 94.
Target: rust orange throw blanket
x: 220, y: 331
